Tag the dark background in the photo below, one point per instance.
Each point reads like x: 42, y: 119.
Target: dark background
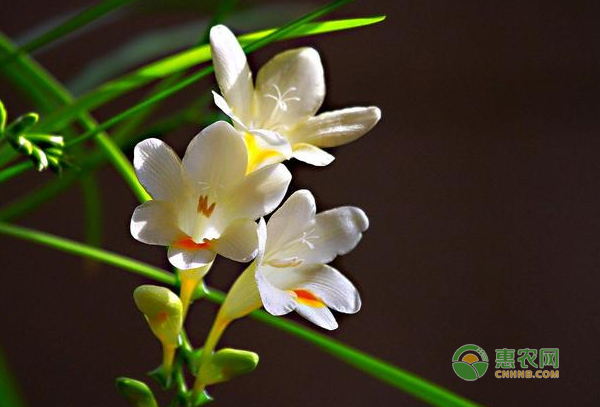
x: 480, y: 183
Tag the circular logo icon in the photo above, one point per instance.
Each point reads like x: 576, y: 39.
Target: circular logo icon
x: 470, y: 362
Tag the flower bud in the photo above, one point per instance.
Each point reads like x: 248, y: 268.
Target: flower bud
x: 227, y: 364
x: 39, y: 158
x: 137, y: 393
x: 163, y: 311
x: 22, y: 145
x: 50, y: 140
x: 22, y: 123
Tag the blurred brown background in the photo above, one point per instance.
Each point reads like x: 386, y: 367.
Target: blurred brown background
x: 480, y: 183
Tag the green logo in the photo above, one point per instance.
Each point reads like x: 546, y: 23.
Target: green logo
x: 470, y: 362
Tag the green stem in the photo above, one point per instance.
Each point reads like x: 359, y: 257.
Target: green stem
x: 386, y: 372
x: 45, y: 82
x: 81, y: 249
x: 14, y: 170
x: 9, y: 395
x: 216, y: 331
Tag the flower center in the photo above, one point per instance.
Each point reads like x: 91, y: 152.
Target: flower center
x: 256, y: 153
x: 188, y: 243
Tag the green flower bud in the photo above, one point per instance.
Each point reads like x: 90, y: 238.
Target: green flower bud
x: 22, y: 145
x: 227, y: 364
x: 54, y: 163
x: 22, y: 123
x: 137, y: 393
x: 163, y: 311
x: 47, y: 139
x: 39, y: 158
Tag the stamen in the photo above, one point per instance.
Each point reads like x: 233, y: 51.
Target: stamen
x: 281, y: 100
x: 203, y: 206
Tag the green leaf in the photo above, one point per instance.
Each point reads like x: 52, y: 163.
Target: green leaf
x: 179, y: 62
x: 3, y: 116
x: 72, y: 24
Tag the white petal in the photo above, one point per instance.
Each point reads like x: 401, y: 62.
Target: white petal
x: 259, y: 193
x: 276, y: 301
x: 188, y: 259
x: 311, y: 155
x: 335, y: 290
x: 262, y: 240
x: 239, y: 241
x: 286, y: 225
x: 320, y: 316
x: 232, y: 71
x: 155, y: 222
x: 337, y: 231
x: 326, y: 283
x: 216, y: 157
x: 158, y: 169
x: 335, y: 128
x: 289, y: 87
x: 225, y: 108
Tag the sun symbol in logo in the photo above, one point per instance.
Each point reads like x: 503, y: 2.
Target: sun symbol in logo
x: 470, y: 362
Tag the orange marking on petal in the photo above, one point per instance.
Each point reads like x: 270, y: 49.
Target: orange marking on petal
x: 308, y: 298
x: 162, y: 316
x: 189, y: 244
x: 203, y: 206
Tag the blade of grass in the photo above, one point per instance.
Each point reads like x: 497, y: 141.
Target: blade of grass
x: 72, y: 24
x: 411, y: 383
x: 185, y: 60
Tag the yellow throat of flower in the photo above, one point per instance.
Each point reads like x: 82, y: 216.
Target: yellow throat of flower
x: 256, y: 153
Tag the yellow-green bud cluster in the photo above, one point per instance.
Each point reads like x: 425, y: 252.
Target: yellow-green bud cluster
x: 44, y: 150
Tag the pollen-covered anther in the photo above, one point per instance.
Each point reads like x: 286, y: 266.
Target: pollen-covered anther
x: 204, y: 208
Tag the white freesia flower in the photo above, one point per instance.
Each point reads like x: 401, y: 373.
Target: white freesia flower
x: 290, y: 272
x: 277, y: 114
x: 205, y: 204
